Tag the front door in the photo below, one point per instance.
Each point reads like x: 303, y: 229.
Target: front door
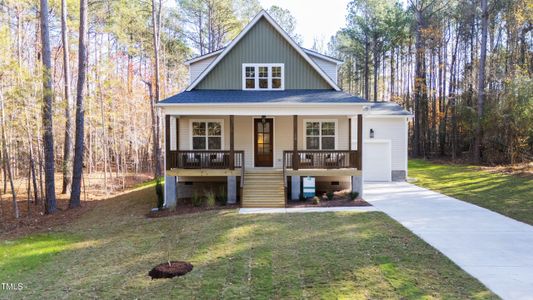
x: 263, y: 142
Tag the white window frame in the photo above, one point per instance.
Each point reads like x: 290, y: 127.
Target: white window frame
x: 269, y: 78
x: 191, y: 136
x: 320, y: 121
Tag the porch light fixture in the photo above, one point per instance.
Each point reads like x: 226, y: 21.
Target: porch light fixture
x: 263, y: 120
x: 371, y: 133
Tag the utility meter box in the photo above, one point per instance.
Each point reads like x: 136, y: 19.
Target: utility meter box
x: 309, y: 187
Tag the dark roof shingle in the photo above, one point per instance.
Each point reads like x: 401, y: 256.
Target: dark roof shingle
x: 239, y: 96
x: 286, y: 96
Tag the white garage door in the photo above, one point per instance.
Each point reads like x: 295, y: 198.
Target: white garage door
x: 377, y: 160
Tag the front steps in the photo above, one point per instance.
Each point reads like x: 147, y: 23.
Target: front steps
x: 263, y: 188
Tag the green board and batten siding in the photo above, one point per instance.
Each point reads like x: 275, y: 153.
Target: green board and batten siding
x: 263, y: 44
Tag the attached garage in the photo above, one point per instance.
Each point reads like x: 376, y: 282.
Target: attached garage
x: 385, y: 142
x: 377, y: 160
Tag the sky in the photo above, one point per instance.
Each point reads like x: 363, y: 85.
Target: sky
x: 314, y: 18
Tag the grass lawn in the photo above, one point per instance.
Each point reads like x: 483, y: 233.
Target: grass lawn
x: 509, y: 195
x: 108, y: 252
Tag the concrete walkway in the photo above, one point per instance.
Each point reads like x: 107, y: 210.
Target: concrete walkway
x: 304, y: 209
x: 495, y: 249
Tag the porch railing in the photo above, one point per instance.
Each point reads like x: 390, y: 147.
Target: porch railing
x: 321, y: 159
x: 200, y: 159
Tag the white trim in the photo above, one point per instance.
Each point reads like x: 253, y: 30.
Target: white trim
x: 269, y: 77
x: 202, y: 57
x: 287, y: 104
x: 221, y: 121
x: 324, y: 57
x: 232, y: 44
x: 273, y: 140
x: 388, y: 116
x: 267, y: 110
x: 336, y: 121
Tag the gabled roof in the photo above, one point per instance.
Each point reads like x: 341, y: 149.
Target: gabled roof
x: 226, y: 50
x: 323, y: 56
x: 308, y: 51
x: 240, y: 97
x: 203, y: 56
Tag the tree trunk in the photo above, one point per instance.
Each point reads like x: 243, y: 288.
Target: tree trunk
x: 442, y: 98
x: 31, y: 158
x: 78, y: 148
x: 6, y: 158
x: 433, y: 136
x: 156, y: 26
x: 367, y: 71
x: 420, y: 90
x: 391, y: 88
x: 481, y: 81
x: 67, y: 146
x: 376, y: 68
x: 48, y: 134
x: 452, y: 97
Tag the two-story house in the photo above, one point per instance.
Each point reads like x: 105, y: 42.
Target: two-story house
x: 263, y: 112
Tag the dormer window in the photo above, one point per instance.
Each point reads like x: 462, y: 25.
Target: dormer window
x: 260, y: 77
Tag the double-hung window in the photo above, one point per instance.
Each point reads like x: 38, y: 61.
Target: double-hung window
x: 320, y: 135
x: 206, y: 135
x: 263, y: 76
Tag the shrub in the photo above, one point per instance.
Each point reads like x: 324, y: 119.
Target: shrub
x: 330, y: 195
x: 316, y: 200
x: 222, y: 196
x: 160, y: 194
x: 353, y: 195
x: 210, y: 198
x: 196, y: 199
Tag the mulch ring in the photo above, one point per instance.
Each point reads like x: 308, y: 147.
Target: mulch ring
x: 336, y: 202
x: 182, y: 209
x: 166, y: 270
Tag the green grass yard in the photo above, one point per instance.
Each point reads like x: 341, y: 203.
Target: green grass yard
x: 108, y: 252
x: 509, y: 195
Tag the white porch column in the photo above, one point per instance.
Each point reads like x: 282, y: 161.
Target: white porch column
x: 357, y: 181
x: 295, y: 187
x: 357, y: 185
x: 232, y: 189
x: 171, y: 143
x: 171, y: 189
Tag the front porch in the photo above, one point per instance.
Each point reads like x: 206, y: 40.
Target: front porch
x: 261, y: 158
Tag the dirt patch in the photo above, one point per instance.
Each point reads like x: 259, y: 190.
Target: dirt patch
x: 186, y: 208
x: 37, y: 222
x: 336, y: 202
x: 523, y: 169
x: 32, y: 218
x: 166, y: 270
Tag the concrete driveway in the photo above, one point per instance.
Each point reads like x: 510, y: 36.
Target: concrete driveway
x: 495, y: 249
